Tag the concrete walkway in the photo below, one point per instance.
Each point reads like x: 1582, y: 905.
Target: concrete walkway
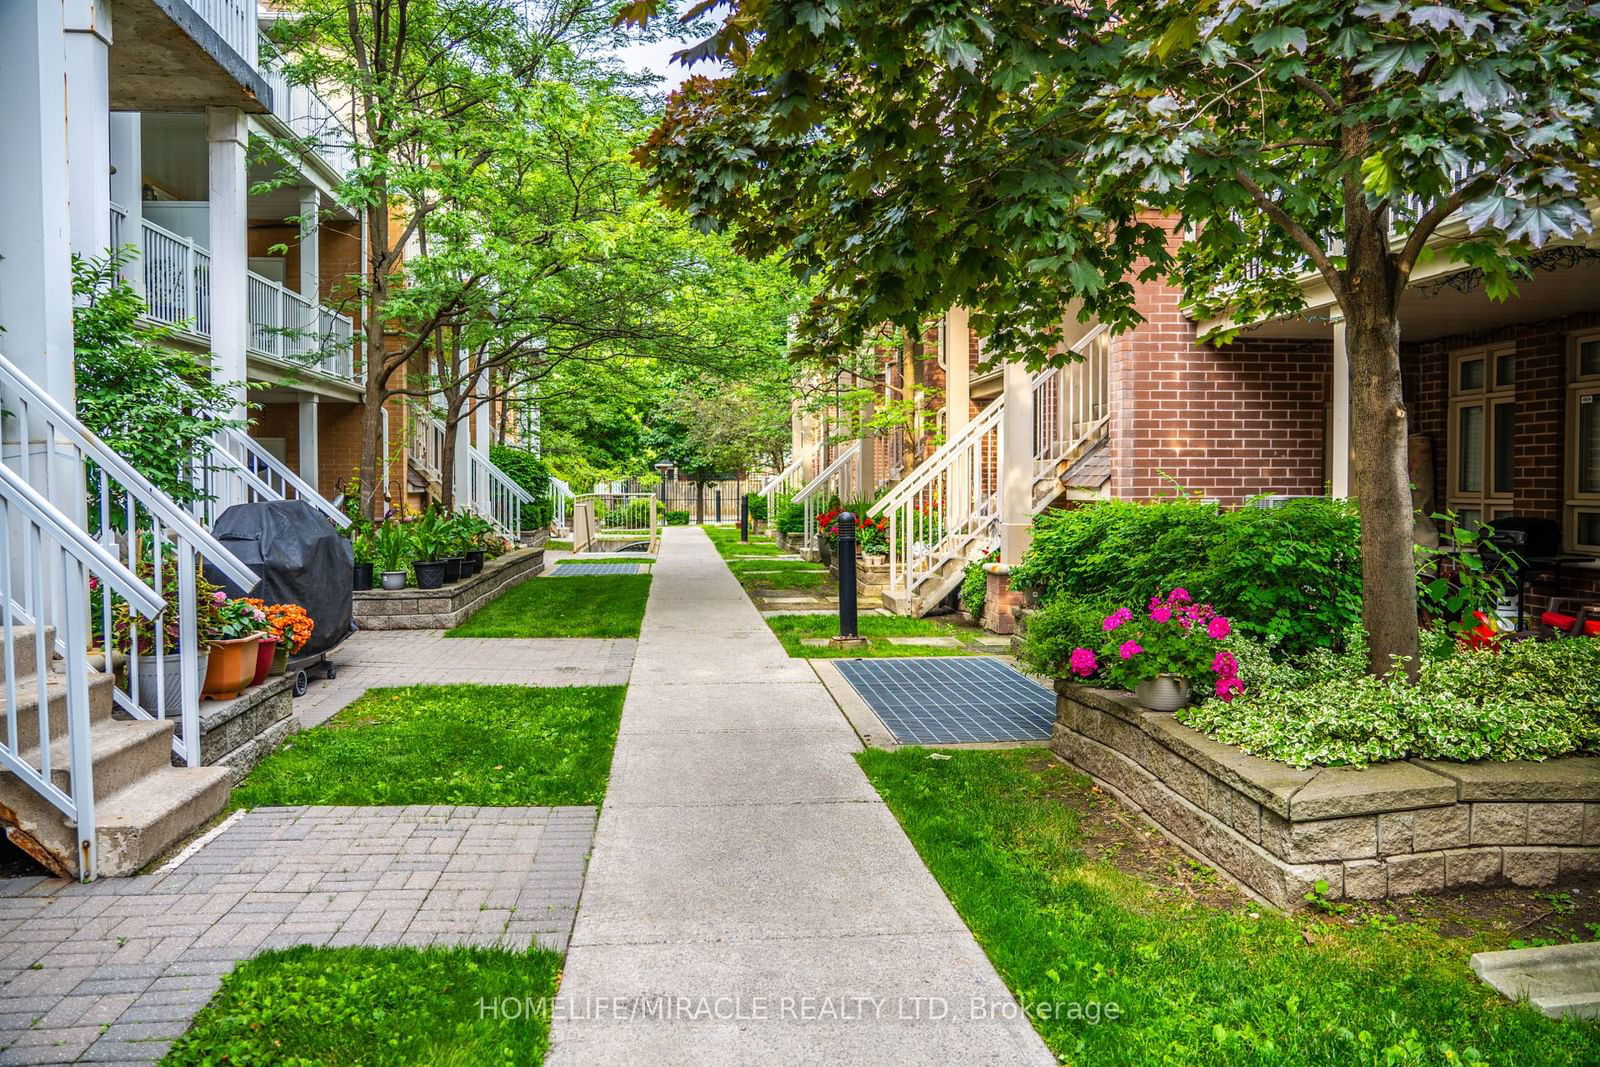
x: 750, y: 899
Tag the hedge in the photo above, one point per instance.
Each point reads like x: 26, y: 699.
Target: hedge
x: 530, y: 474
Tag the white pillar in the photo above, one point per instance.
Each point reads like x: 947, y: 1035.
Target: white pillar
x: 35, y: 246
x: 88, y: 43
x: 227, y: 138
x: 867, y: 454
x: 1339, y: 424
x: 480, y: 416
x: 310, y: 245
x: 127, y: 185
x: 1016, y: 463
x: 957, y: 372
x: 308, y: 439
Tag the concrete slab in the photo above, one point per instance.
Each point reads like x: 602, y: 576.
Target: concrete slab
x: 758, y: 706
x: 1569, y: 779
x: 1342, y: 791
x: 1562, y: 981
x: 926, y: 642
x: 799, y: 765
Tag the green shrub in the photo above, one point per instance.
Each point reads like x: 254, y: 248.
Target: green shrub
x: 675, y: 517
x: 758, y: 507
x: 532, y: 476
x: 1292, y: 574
x: 1051, y: 632
x: 791, y: 516
x: 1529, y: 700
x: 975, y: 584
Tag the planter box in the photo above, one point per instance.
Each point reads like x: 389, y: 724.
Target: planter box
x: 239, y: 733
x: 1392, y: 829
x: 440, y: 609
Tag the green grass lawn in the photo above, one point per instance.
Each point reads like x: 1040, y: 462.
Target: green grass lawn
x: 558, y: 546
x: 726, y: 540
x: 376, y: 1006
x: 501, y: 745
x: 586, y: 605
x: 780, y: 574
x: 1193, y: 983
x: 875, y: 628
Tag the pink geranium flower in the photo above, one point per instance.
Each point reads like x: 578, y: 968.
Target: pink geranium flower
x: 1225, y: 665
x: 1116, y: 619
x: 1179, y: 595
x: 1161, y: 613
x: 1218, y: 628
x: 1130, y: 649
x: 1228, y: 688
x: 219, y: 597
x: 1083, y: 662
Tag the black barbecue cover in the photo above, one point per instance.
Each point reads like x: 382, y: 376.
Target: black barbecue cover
x: 301, y: 559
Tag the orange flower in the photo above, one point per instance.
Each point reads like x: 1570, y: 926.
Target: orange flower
x: 289, y: 621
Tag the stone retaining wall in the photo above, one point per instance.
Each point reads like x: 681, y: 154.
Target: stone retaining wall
x: 439, y: 609
x: 1393, y: 829
x: 871, y: 580
x: 239, y: 733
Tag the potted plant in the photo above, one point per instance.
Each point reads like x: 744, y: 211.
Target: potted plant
x: 290, y: 626
x: 873, y: 537
x: 1160, y: 655
x: 156, y: 676
x: 362, y: 548
x: 430, y: 540
x: 453, y: 547
x: 478, y: 531
x: 235, y: 640
x: 391, y: 552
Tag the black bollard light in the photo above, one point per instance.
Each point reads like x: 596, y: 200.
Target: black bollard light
x: 744, y: 518
x: 847, y: 636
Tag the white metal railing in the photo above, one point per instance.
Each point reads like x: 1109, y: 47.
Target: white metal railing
x: 284, y: 325
x: 621, y: 513
x: 491, y: 494
x: 838, y: 479
x: 119, y: 219
x: 308, y: 116
x: 561, y: 498
x: 235, y: 23
x: 791, y: 478
x: 145, y: 530
x: 426, y: 446
x: 950, y: 505
x: 237, y: 470
x: 49, y: 568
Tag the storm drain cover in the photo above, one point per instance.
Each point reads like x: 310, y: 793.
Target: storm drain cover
x: 568, y: 570
x: 952, y: 699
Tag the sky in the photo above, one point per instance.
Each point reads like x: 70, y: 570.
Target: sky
x: 656, y: 58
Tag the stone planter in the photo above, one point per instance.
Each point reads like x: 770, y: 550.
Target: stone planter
x: 1165, y: 692
x: 437, y: 607
x: 232, y: 665
x: 394, y: 580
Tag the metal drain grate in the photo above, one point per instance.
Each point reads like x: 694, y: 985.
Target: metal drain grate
x: 568, y: 570
x: 952, y: 699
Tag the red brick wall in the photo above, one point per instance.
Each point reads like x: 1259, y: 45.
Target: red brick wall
x: 1227, y: 422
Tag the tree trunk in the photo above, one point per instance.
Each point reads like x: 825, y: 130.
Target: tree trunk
x: 700, y: 502
x: 1378, y: 430
x: 447, y: 466
x: 374, y: 380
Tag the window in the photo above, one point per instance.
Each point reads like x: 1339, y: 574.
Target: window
x: 1482, y: 471
x: 1583, y: 459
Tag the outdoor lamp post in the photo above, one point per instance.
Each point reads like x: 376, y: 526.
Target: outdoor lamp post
x: 847, y: 636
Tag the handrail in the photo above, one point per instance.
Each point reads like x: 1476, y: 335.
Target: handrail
x: 492, y: 494
x: 561, y: 495
x: 926, y: 471
x: 280, y: 482
x: 811, y: 487
x: 790, y: 475
x: 842, y: 471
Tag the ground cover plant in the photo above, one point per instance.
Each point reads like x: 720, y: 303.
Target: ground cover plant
x: 793, y: 629
x: 375, y: 1006
x: 502, y: 745
x: 585, y: 605
x: 1192, y: 983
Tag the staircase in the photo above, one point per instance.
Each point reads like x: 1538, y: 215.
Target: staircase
x: 841, y: 479
x: 97, y: 558
x: 946, y: 513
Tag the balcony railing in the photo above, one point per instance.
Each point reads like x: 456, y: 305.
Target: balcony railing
x: 235, y: 23
x: 308, y: 115
x: 284, y: 325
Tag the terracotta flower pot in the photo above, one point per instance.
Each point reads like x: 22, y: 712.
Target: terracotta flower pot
x: 265, y: 652
x: 233, y: 664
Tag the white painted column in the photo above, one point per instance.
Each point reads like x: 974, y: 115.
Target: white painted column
x: 227, y: 137
x: 1339, y: 424
x: 88, y: 44
x: 35, y: 246
x: 311, y: 245
x: 1016, y: 463
x: 957, y: 372
x: 127, y: 186
x: 481, y: 416
x: 309, y: 435
x: 867, y: 454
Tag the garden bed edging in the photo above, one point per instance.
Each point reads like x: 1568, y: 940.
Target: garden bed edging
x: 439, y: 609
x: 1392, y: 829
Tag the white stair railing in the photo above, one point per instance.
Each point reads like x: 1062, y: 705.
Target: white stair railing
x: 145, y: 530
x: 838, y: 479
x: 426, y: 447
x: 48, y: 570
x: 561, y: 500
x: 949, y: 507
x: 238, y: 470
x: 491, y: 494
x: 792, y: 477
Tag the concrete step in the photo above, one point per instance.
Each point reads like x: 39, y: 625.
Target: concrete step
x: 1562, y: 981
x: 27, y: 710
x: 121, y: 751
x: 24, y: 649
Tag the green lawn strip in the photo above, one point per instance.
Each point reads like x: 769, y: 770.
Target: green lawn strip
x: 726, y: 540
x: 498, y: 745
x: 1192, y: 984
x: 780, y: 574
x: 377, y: 1006
x: 641, y: 558
x: 584, y: 605
x: 558, y: 546
x: 791, y: 629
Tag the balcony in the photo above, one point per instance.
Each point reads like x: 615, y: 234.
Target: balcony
x: 307, y: 116
x: 285, y: 327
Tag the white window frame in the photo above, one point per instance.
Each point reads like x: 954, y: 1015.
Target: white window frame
x: 1581, y: 389
x: 1487, y: 502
